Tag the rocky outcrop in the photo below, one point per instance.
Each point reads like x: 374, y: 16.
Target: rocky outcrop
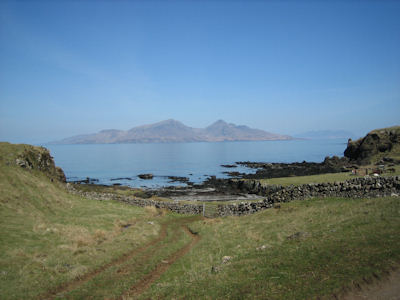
x: 39, y: 158
x: 381, y: 141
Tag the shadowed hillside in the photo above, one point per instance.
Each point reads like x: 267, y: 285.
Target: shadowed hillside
x: 376, y: 145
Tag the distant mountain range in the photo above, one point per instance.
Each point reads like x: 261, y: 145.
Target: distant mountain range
x: 174, y: 131
x: 326, y: 134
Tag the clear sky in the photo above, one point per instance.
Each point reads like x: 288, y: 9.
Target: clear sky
x: 74, y: 67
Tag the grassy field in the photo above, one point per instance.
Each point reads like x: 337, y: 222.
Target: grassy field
x: 299, y: 180
x: 56, y: 245
x: 48, y: 237
x: 303, y: 250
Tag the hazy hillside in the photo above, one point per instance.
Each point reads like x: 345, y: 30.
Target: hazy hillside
x: 175, y: 131
x: 222, y: 131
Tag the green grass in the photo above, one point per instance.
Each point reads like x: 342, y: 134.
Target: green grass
x: 48, y: 236
x: 116, y: 280
x: 341, y: 241
x: 119, y: 190
x: 394, y: 153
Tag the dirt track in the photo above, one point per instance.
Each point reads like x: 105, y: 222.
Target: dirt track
x: 385, y: 289
x: 147, y: 279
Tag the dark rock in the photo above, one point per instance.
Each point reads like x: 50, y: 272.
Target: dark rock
x: 88, y: 180
x: 146, y: 176
x: 229, y: 166
x: 235, y: 174
x: 275, y: 170
x: 178, y: 179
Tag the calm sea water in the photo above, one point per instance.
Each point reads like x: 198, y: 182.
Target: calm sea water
x: 194, y: 160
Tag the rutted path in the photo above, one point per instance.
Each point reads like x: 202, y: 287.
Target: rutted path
x: 147, y: 280
x: 145, y: 252
x: 387, y: 288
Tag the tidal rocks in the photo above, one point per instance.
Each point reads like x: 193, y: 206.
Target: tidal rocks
x: 146, y: 176
x: 88, y: 180
x: 120, y: 178
x: 229, y: 166
x: 274, y: 170
x: 234, y: 174
x: 178, y: 179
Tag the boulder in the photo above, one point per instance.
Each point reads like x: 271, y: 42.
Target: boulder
x: 146, y: 176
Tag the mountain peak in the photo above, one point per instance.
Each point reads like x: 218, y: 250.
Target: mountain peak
x: 220, y: 122
x: 170, y: 121
x: 174, y: 131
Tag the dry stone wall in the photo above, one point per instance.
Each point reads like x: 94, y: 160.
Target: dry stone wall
x: 365, y: 187
x: 181, y: 208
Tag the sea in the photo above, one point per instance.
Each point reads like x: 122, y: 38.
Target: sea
x: 122, y: 163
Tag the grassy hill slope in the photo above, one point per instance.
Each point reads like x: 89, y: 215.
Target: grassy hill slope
x: 48, y: 236
x: 302, y: 250
x: 57, y: 245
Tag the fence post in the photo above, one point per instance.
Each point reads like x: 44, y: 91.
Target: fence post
x: 204, y: 209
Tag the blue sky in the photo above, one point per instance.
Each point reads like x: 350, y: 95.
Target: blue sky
x: 73, y: 67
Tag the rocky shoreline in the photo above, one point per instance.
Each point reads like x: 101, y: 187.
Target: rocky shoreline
x: 271, y: 196
x: 376, y: 148
x: 263, y: 171
x: 275, y: 170
x: 234, y: 188
x: 245, y: 193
